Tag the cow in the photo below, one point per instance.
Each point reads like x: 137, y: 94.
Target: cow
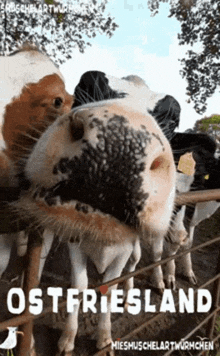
x: 33, y: 95
x: 186, y: 218
x: 103, y: 176
x: 25, y: 65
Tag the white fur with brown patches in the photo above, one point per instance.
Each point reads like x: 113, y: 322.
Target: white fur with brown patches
x: 28, y: 115
x: 95, y: 229
x: 26, y: 66
x: 139, y: 93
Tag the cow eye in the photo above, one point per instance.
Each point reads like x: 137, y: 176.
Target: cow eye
x: 58, y: 102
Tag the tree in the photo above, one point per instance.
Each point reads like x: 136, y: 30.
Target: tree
x: 56, y: 27
x: 211, y: 126
x: 200, y: 28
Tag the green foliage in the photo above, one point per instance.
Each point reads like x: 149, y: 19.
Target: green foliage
x: 200, y: 26
x: 56, y: 31
x: 203, y: 124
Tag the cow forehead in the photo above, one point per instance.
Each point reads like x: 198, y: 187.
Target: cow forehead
x: 129, y: 110
x: 101, y: 86
x: 131, y: 84
x: 137, y: 91
x: 135, y: 79
x: 132, y: 91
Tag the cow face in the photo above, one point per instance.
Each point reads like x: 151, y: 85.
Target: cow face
x: 28, y: 115
x: 104, y: 170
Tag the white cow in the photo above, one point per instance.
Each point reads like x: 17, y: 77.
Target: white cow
x: 102, y: 177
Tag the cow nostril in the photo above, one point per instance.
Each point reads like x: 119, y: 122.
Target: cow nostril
x: 161, y: 168
x: 157, y: 163
x: 76, y: 129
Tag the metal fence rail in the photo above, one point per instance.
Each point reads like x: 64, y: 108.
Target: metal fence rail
x: 25, y: 321
x: 158, y: 315
x: 19, y: 320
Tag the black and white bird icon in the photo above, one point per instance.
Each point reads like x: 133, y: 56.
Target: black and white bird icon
x: 11, y: 341
x: 199, y: 337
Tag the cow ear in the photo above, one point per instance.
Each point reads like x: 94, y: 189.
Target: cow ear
x: 167, y: 114
x: 91, y: 88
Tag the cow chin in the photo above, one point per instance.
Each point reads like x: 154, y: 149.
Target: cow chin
x: 75, y: 221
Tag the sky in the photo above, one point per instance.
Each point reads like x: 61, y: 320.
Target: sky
x: 142, y: 45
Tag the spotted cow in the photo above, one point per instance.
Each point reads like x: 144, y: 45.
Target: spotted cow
x: 103, y: 176
x: 186, y: 218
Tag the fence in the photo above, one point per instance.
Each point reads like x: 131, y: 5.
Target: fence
x: 25, y: 321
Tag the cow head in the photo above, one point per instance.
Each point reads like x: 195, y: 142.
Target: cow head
x: 29, y: 114
x: 105, y: 170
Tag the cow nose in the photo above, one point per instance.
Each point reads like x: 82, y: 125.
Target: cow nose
x: 76, y: 128
x: 156, y: 164
x: 161, y: 172
x: 161, y: 164
x: 159, y: 181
